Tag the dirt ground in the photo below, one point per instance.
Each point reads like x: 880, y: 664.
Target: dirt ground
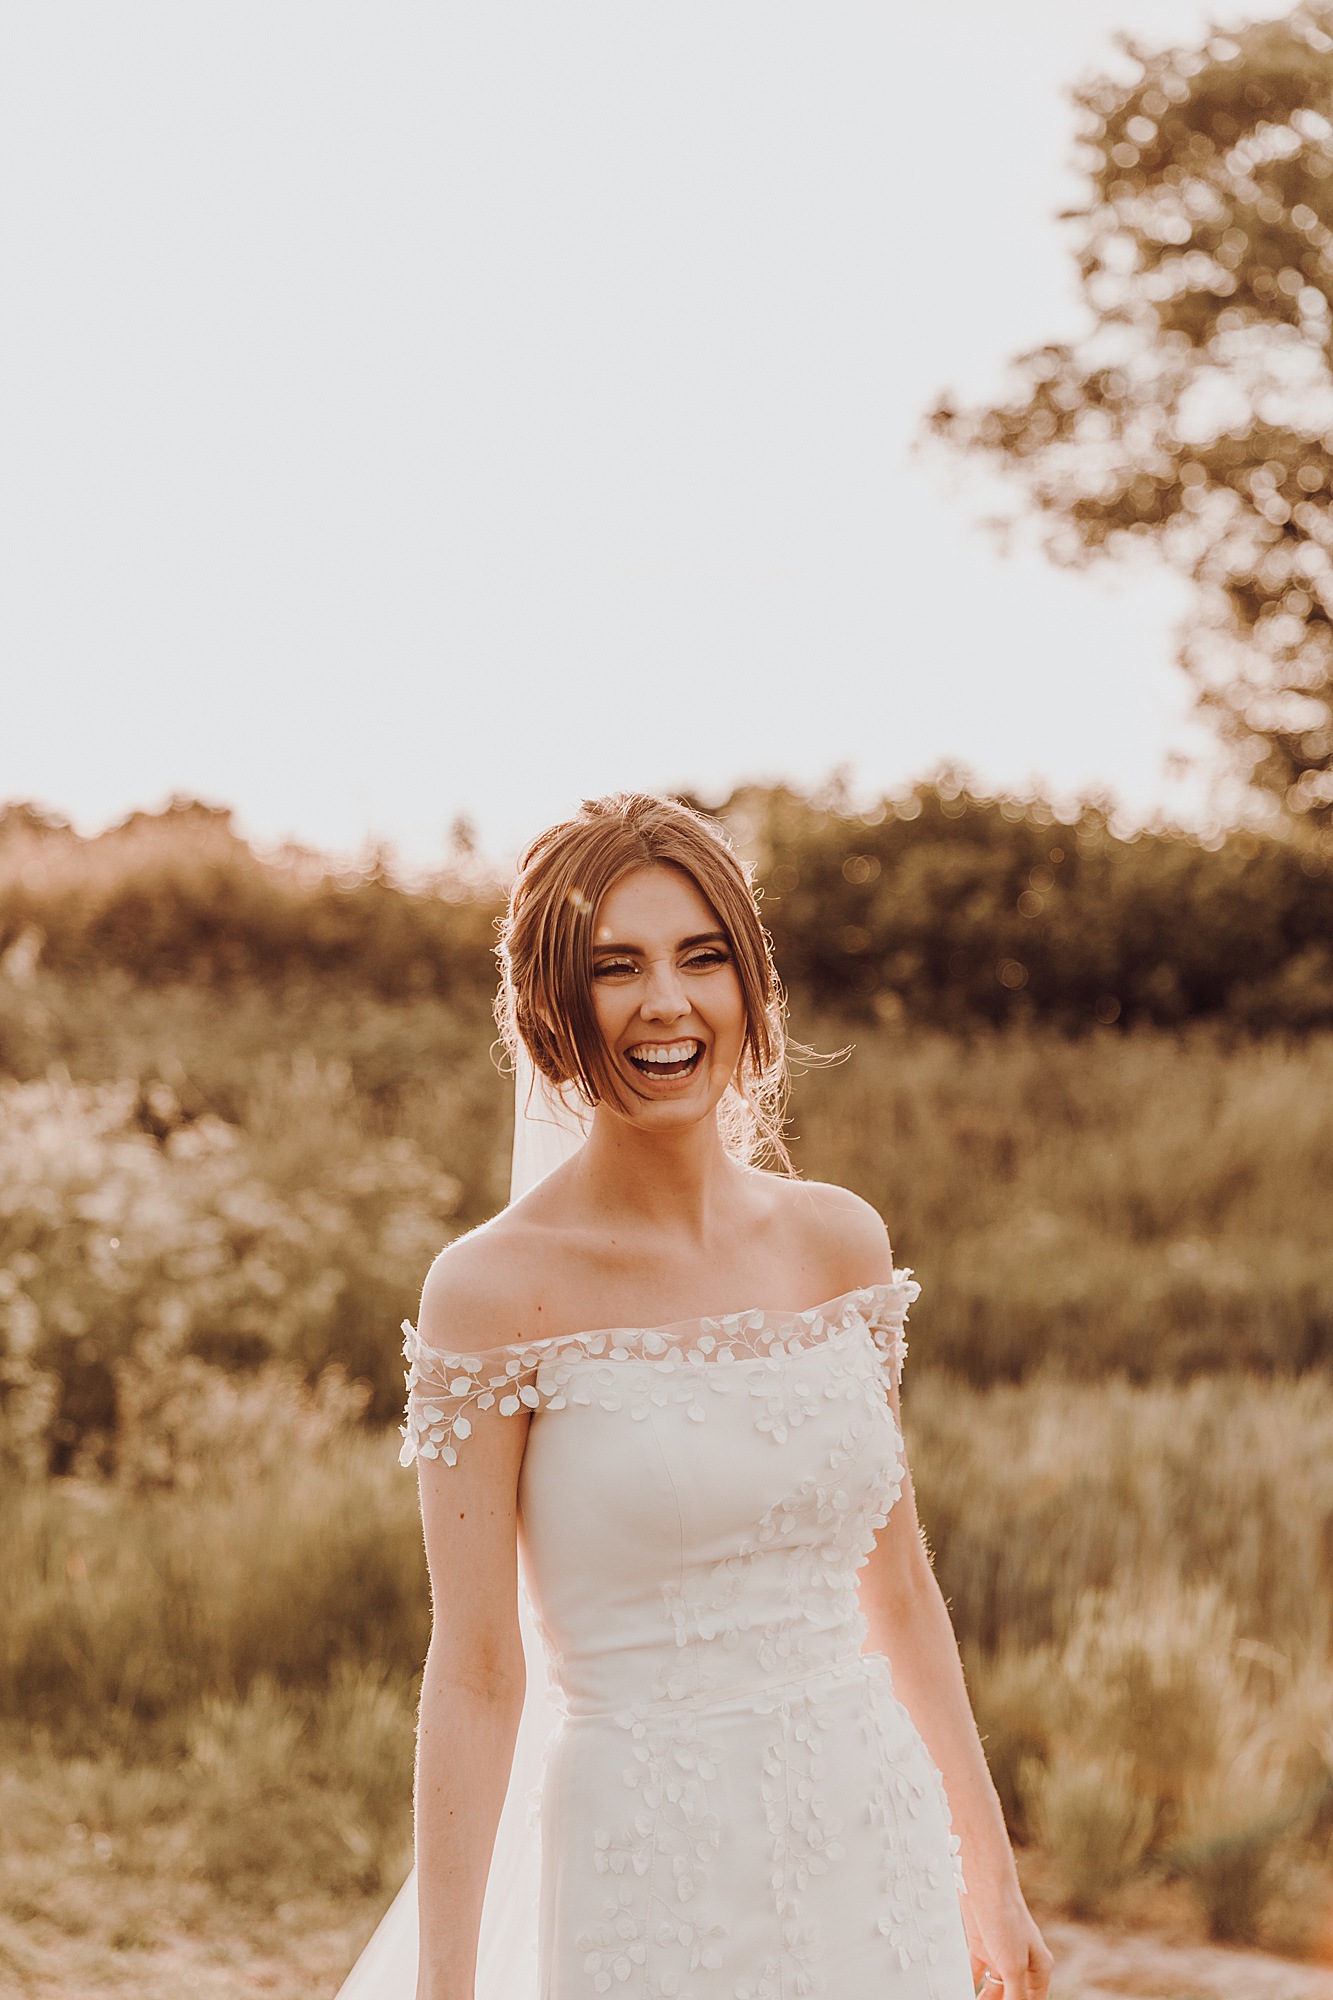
x: 302, y: 1951
x: 92, y: 1918
x: 1097, y: 1964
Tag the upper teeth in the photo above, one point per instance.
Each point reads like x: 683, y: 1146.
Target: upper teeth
x: 655, y: 1053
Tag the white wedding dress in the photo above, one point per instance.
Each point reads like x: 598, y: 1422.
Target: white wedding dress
x: 734, y: 1804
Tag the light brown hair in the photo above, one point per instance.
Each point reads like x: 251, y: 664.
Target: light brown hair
x: 546, y: 953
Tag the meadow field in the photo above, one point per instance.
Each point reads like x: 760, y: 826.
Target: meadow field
x: 217, y: 1199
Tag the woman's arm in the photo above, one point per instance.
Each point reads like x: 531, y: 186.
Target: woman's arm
x: 472, y: 1691
x: 471, y: 1695
x: 909, y: 1623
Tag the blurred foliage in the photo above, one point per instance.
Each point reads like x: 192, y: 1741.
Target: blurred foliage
x: 226, y: 1172
x: 1169, y: 1743
x: 1142, y: 1581
x: 1197, y: 412
x: 121, y: 1250
x: 178, y: 895
x: 124, y: 1609
x: 945, y: 905
x: 242, y: 1103
x: 1148, y: 1204
x: 956, y: 909
x: 1035, y: 1495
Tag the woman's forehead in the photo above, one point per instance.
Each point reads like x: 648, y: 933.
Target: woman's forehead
x: 657, y: 899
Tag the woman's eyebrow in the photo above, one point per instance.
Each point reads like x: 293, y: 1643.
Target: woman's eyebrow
x: 686, y: 944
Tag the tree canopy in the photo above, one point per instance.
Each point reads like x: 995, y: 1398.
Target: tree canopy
x: 1196, y: 412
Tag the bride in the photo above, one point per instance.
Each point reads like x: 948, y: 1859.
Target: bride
x: 668, y: 1381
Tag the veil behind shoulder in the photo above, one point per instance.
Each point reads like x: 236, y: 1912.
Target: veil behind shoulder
x: 548, y: 1129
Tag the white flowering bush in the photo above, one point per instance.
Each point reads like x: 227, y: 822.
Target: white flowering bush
x: 127, y: 1252
x: 186, y: 1423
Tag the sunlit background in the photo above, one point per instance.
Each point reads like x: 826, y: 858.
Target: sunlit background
x: 416, y: 415
x: 410, y: 411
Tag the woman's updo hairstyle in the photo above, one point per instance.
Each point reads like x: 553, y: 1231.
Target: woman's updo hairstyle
x: 546, y: 954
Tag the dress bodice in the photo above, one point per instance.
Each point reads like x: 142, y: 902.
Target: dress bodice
x: 443, y: 1384
x: 709, y: 1545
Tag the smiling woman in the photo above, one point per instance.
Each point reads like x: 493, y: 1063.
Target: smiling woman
x: 574, y: 936
x: 673, y: 1376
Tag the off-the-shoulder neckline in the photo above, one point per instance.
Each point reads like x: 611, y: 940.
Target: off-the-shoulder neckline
x: 707, y: 1322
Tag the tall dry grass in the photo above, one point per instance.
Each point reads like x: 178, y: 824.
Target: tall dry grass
x: 209, y: 1665
x: 1038, y: 1494
x: 122, y: 1610
x: 277, y: 1170
x: 1121, y: 1429
x: 282, y: 1536
x: 1147, y: 1204
x: 1141, y: 1578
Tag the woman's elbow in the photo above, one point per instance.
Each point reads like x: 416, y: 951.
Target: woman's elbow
x: 490, y: 1671
x: 904, y: 1587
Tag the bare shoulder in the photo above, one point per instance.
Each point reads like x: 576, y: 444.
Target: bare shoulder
x: 478, y: 1292
x: 844, y: 1231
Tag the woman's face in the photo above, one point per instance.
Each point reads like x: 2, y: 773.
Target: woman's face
x: 667, y: 997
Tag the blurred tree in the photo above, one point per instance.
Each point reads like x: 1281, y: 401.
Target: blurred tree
x: 1197, y: 412
x: 943, y: 906
x: 956, y: 909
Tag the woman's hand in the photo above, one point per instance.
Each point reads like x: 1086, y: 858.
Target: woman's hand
x: 1010, y: 1959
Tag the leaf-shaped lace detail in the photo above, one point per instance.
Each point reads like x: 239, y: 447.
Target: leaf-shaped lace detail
x: 682, y: 1363
x: 888, y: 1318
x: 805, y: 1677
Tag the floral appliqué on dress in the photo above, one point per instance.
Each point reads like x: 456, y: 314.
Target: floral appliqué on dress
x: 771, y: 1630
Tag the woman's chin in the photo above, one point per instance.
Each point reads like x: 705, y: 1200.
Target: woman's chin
x: 673, y: 1106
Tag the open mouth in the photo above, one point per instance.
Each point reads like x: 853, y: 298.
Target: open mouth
x: 663, y: 1062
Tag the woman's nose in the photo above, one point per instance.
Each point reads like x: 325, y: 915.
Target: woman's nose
x: 665, y: 999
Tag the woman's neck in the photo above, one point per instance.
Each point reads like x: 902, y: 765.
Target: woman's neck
x: 670, y: 1178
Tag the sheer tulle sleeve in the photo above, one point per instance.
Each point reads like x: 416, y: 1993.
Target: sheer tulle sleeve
x: 445, y: 1390
x: 888, y: 1319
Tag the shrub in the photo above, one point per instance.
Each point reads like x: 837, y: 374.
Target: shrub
x: 297, y: 1240
x: 1234, y: 1871
x: 1011, y: 1699
x: 1154, y: 1736
x: 956, y: 909
x: 1245, y: 1814
x: 1035, y: 1496
x: 944, y: 906
x: 292, y: 1795
x: 183, y: 1423
x: 1087, y: 1813
x: 179, y: 896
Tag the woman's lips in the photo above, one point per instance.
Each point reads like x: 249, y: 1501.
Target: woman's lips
x: 666, y: 1062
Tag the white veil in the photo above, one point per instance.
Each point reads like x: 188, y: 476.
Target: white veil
x: 548, y: 1128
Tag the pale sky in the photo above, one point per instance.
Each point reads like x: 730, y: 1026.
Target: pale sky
x: 415, y: 410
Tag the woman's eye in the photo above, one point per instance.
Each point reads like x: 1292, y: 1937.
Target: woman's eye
x: 613, y: 967
x: 704, y: 961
